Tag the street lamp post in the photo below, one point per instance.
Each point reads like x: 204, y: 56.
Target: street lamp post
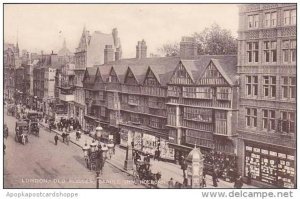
x: 128, y: 164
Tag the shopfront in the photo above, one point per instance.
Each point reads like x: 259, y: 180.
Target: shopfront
x: 146, y: 143
x: 271, y: 165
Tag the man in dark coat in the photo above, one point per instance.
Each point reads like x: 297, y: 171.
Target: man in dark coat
x: 56, y: 139
x: 238, y: 183
x: 215, y: 178
x: 249, y: 176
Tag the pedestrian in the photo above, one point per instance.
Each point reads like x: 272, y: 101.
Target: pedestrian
x: 185, y: 183
x: 63, y: 136
x: 215, y: 178
x: 203, y: 179
x: 249, y: 176
x: 86, y: 152
x: 171, y: 183
x: 50, y: 127
x: 184, y: 167
x: 238, y: 183
x: 114, y: 148
x: 158, y: 155
x: 56, y: 139
x: 77, y: 135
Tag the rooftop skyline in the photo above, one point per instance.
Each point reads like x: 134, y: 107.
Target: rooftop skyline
x: 44, y: 26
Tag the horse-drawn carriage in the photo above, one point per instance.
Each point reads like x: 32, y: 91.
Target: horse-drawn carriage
x: 22, y: 130
x: 33, y: 123
x: 143, y: 174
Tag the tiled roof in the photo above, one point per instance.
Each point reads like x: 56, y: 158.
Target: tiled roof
x: 120, y: 71
x: 91, y: 73
x: 197, y: 67
x: 104, y: 71
x: 229, y: 66
x: 163, y: 67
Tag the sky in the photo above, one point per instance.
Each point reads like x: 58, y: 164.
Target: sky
x: 44, y: 26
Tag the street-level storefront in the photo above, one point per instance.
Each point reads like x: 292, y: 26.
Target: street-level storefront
x: 269, y: 164
x: 145, y: 142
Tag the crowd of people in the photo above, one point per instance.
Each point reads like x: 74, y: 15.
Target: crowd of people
x: 67, y: 124
x: 223, y: 165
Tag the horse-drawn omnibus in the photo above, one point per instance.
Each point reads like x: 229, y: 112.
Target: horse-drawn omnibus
x: 22, y: 130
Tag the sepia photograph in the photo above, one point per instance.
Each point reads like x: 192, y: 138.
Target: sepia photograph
x: 149, y: 96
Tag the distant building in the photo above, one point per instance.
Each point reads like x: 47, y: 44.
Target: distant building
x: 11, y: 61
x: 141, y: 50
x: 65, y: 55
x: 44, y: 82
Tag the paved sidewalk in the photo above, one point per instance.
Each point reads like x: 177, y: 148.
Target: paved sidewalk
x: 168, y: 170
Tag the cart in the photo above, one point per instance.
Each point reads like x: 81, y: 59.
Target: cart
x: 143, y: 175
x: 22, y: 130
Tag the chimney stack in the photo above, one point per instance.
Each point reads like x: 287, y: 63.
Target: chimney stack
x: 108, y: 54
x: 188, y: 48
x: 118, y: 54
x: 141, y: 50
x: 115, y: 37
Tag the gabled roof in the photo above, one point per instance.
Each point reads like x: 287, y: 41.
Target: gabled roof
x: 91, y: 72
x: 104, y: 71
x: 120, y: 72
x: 161, y: 66
x: 98, y: 75
x: 129, y: 69
x: 163, y: 73
x: 226, y: 65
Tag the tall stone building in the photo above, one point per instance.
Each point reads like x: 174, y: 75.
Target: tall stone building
x: 93, y: 49
x: 267, y: 116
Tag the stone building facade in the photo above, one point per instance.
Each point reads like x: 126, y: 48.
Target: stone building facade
x: 267, y: 116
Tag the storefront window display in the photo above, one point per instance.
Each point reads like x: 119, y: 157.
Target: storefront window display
x: 147, y: 143
x: 270, y: 166
x: 165, y: 151
x: 138, y: 140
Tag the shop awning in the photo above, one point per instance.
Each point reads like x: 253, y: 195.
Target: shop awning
x: 146, y: 130
x: 180, y: 147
